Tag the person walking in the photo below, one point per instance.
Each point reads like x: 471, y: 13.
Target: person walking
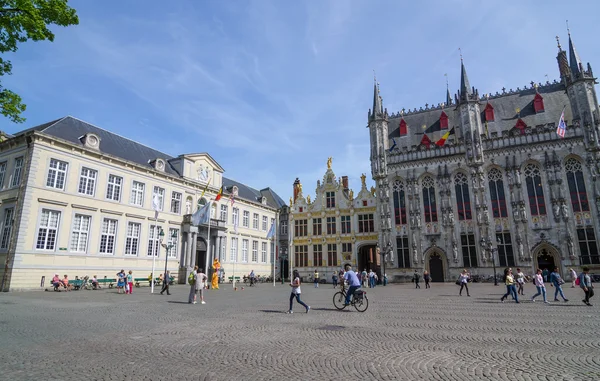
x: 316, y: 278
x: 334, y: 279
x: 520, y: 282
x: 585, y: 282
x: 296, y: 293
x: 129, y: 287
x: 371, y: 279
x: 121, y: 280
x: 509, y: 280
x: 416, y: 278
x: 545, y: 274
x: 426, y: 278
x: 464, y: 280
x: 196, y: 281
x: 353, y: 282
x: 538, y: 280
x: 557, y: 282
x: 165, y: 286
x: 573, y: 277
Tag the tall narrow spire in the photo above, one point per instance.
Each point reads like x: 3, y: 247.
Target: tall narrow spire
x: 377, y: 111
x: 465, y: 87
x: 448, y: 96
x: 574, y: 60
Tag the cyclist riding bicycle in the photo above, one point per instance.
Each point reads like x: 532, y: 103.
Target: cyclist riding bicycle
x: 353, y: 282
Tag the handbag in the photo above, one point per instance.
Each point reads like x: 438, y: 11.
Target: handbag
x: 561, y: 281
x: 458, y: 282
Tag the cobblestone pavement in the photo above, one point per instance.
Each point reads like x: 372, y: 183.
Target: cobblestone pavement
x: 406, y: 334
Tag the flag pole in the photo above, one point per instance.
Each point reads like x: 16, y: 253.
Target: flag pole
x: 153, y: 255
x: 208, y: 241
x: 274, y: 247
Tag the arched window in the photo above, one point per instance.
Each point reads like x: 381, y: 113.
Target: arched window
x: 429, y: 199
x: 463, y: 203
x: 535, y: 192
x: 579, y: 198
x: 399, y: 203
x: 497, y: 193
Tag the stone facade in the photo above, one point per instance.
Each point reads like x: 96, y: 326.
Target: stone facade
x: 77, y: 200
x: 479, y: 182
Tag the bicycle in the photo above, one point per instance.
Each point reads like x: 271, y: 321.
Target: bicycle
x: 359, y: 300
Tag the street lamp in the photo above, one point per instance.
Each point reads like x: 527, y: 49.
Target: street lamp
x: 168, y: 247
x: 486, y: 244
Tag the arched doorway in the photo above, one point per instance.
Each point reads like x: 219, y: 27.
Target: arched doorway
x: 367, y: 258
x: 547, y: 258
x: 201, y: 253
x: 436, y: 265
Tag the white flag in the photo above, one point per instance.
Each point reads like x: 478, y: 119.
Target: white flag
x: 155, y: 205
x: 202, y: 215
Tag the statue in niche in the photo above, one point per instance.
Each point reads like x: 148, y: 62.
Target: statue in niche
x: 570, y: 246
x: 518, y: 175
x: 188, y: 207
x: 444, y: 219
x: 363, y: 180
x: 556, y: 210
x: 481, y: 179
x: 451, y: 217
x: 329, y: 160
x: 382, y: 160
x: 415, y: 252
x: 477, y: 148
x: 486, y: 217
x: 509, y: 177
x: 564, y: 211
x: 520, y: 246
x: 418, y: 221
x: 454, y: 251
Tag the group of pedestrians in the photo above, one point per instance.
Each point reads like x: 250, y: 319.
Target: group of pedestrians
x: 124, y: 282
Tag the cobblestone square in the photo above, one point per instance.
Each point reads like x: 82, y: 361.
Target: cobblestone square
x: 406, y: 334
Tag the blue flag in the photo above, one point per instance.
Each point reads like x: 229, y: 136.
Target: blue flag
x: 271, y: 232
x: 202, y: 215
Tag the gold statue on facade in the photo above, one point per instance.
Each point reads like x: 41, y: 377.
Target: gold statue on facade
x: 291, y: 202
x: 308, y: 199
x: 363, y: 180
x: 329, y: 160
x: 351, y: 195
x: 373, y: 191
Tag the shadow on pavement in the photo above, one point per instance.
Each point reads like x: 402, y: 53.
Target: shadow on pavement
x: 272, y: 311
x: 176, y: 301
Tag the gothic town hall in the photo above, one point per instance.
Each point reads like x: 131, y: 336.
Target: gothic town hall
x: 484, y: 181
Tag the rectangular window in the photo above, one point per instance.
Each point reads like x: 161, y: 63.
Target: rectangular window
x: 317, y: 226
x: 284, y: 228
x: 347, y: 248
x: 176, y: 202
x: 235, y: 216
x: 244, y: 250
x: 233, y: 254
x: 80, y: 233
x: 2, y: 173
x: 132, y: 242
x: 403, y: 252
x: 48, y: 230
x: 153, y: 240
x: 263, y: 253
x: 16, y: 180
x: 223, y: 253
x: 587, y: 246
x: 265, y: 222
x: 300, y: 227
x: 469, y: 250
x: 330, y: 199
x: 113, y: 189
x: 255, y: 221
x: 7, y: 227
x: 254, y: 251
x: 172, y: 242
x: 137, y: 193
x: 108, y: 236
x: 301, y: 256
x: 331, y: 254
x: 317, y: 255
x: 399, y: 205
x: 246, y: 219
x: 223, y: 216
x: 366, y: 223
x: 160, y: 193
x: 57, y: 172
x: 346, y: 224
x: 87, y: 181
x: 506, y: 257
x: 331, y: 225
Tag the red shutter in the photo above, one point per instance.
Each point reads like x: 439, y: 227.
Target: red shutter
x: 403, y: 128
x: 521, y: 126
x: 443, y: 120
x: 538, y: 103
x: 489, y: 113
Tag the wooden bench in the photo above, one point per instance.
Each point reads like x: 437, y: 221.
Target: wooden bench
x: 76, y: 284
x: 237, y: 279
x: 137, y: 281
x: 107, y: 280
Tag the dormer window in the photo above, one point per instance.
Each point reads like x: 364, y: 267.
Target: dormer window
x: 90, y: 140
x: 489, y: 113
x: 263, y: 200
x: 403, y: 128
x: 235, y: 191
x: 521, y: 126
x: 158, y: 164
x: 443, y: 120
x: 538, y: 103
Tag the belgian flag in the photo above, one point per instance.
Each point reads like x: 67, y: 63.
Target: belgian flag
x: 442, y: 141
x: 219, y: 194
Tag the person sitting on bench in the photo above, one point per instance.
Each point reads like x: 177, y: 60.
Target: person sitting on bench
x: 65, y: 282
x: 56, y: 282
x: 95, y: 283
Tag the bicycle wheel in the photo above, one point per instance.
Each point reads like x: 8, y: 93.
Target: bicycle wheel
x: 361, y: 305
x: 339, y: 300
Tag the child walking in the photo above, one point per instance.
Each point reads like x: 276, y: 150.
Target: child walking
x: 129, y: 288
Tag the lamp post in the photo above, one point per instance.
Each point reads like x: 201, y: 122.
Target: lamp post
x: 168, y: 247
x: 486, y: 244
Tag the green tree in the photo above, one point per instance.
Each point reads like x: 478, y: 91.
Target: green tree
x: 20, y: 21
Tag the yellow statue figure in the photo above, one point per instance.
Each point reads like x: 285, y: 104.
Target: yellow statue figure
x: 351, y: 195
x: 363, y: 180
x: 215, y: 276
x: 373, y: 191
x: 291, y: 203
x: 329, y: 160
x: 308, y: 199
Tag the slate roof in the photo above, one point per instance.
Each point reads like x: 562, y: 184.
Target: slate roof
x: 505, y: 116
x: 71, y: 129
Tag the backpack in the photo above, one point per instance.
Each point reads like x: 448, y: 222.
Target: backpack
x: 191, y: 279
x: 577, y: 281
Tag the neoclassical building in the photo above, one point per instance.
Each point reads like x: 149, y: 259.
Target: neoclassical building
x: 78, y: 199
x: 333, y: 229
x: 485, y: 180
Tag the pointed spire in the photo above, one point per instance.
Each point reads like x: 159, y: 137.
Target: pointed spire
x: 574, y: 61
x: 448, y: 96
x: 377, y: 111
x: 465, y: 87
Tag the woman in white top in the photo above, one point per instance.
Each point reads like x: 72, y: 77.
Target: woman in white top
x: 520, y: 282
x: 573, y: 277
x: 538, y: 280
x: 464, y: 279
x: 296, y: 293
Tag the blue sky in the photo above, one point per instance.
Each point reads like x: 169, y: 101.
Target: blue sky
x: 272, y: 88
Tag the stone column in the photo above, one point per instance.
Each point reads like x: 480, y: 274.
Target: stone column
x: 193, y: 250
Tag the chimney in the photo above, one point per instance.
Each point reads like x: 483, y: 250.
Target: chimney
x: 296, y: 188
x: 345, y: 182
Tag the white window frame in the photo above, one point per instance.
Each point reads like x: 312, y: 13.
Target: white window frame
x: 48, y: 227
x: 176, y: 202
x: 3, y: 166
x: 153, y: 240
x: 233, y: 251
x: 263, y: 252
x: 114, y: 186
x: 224, y: 211
x: 235, y: 215
x: 255, y: 221
x: 17, y: 172
x: 223, y: 253
x: 57, y: 174
x: 132, y: 240
x: 245, y: 251
x: 82, y: 236
x: 105, y: 233
x: 265, y: 223
x: 172, y: 252
x: 161, y: 196
x: 87, y: 179
x: 246, y: 219
x: 7, y: 224
x: 137, y: 192
x: 254, y: 251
